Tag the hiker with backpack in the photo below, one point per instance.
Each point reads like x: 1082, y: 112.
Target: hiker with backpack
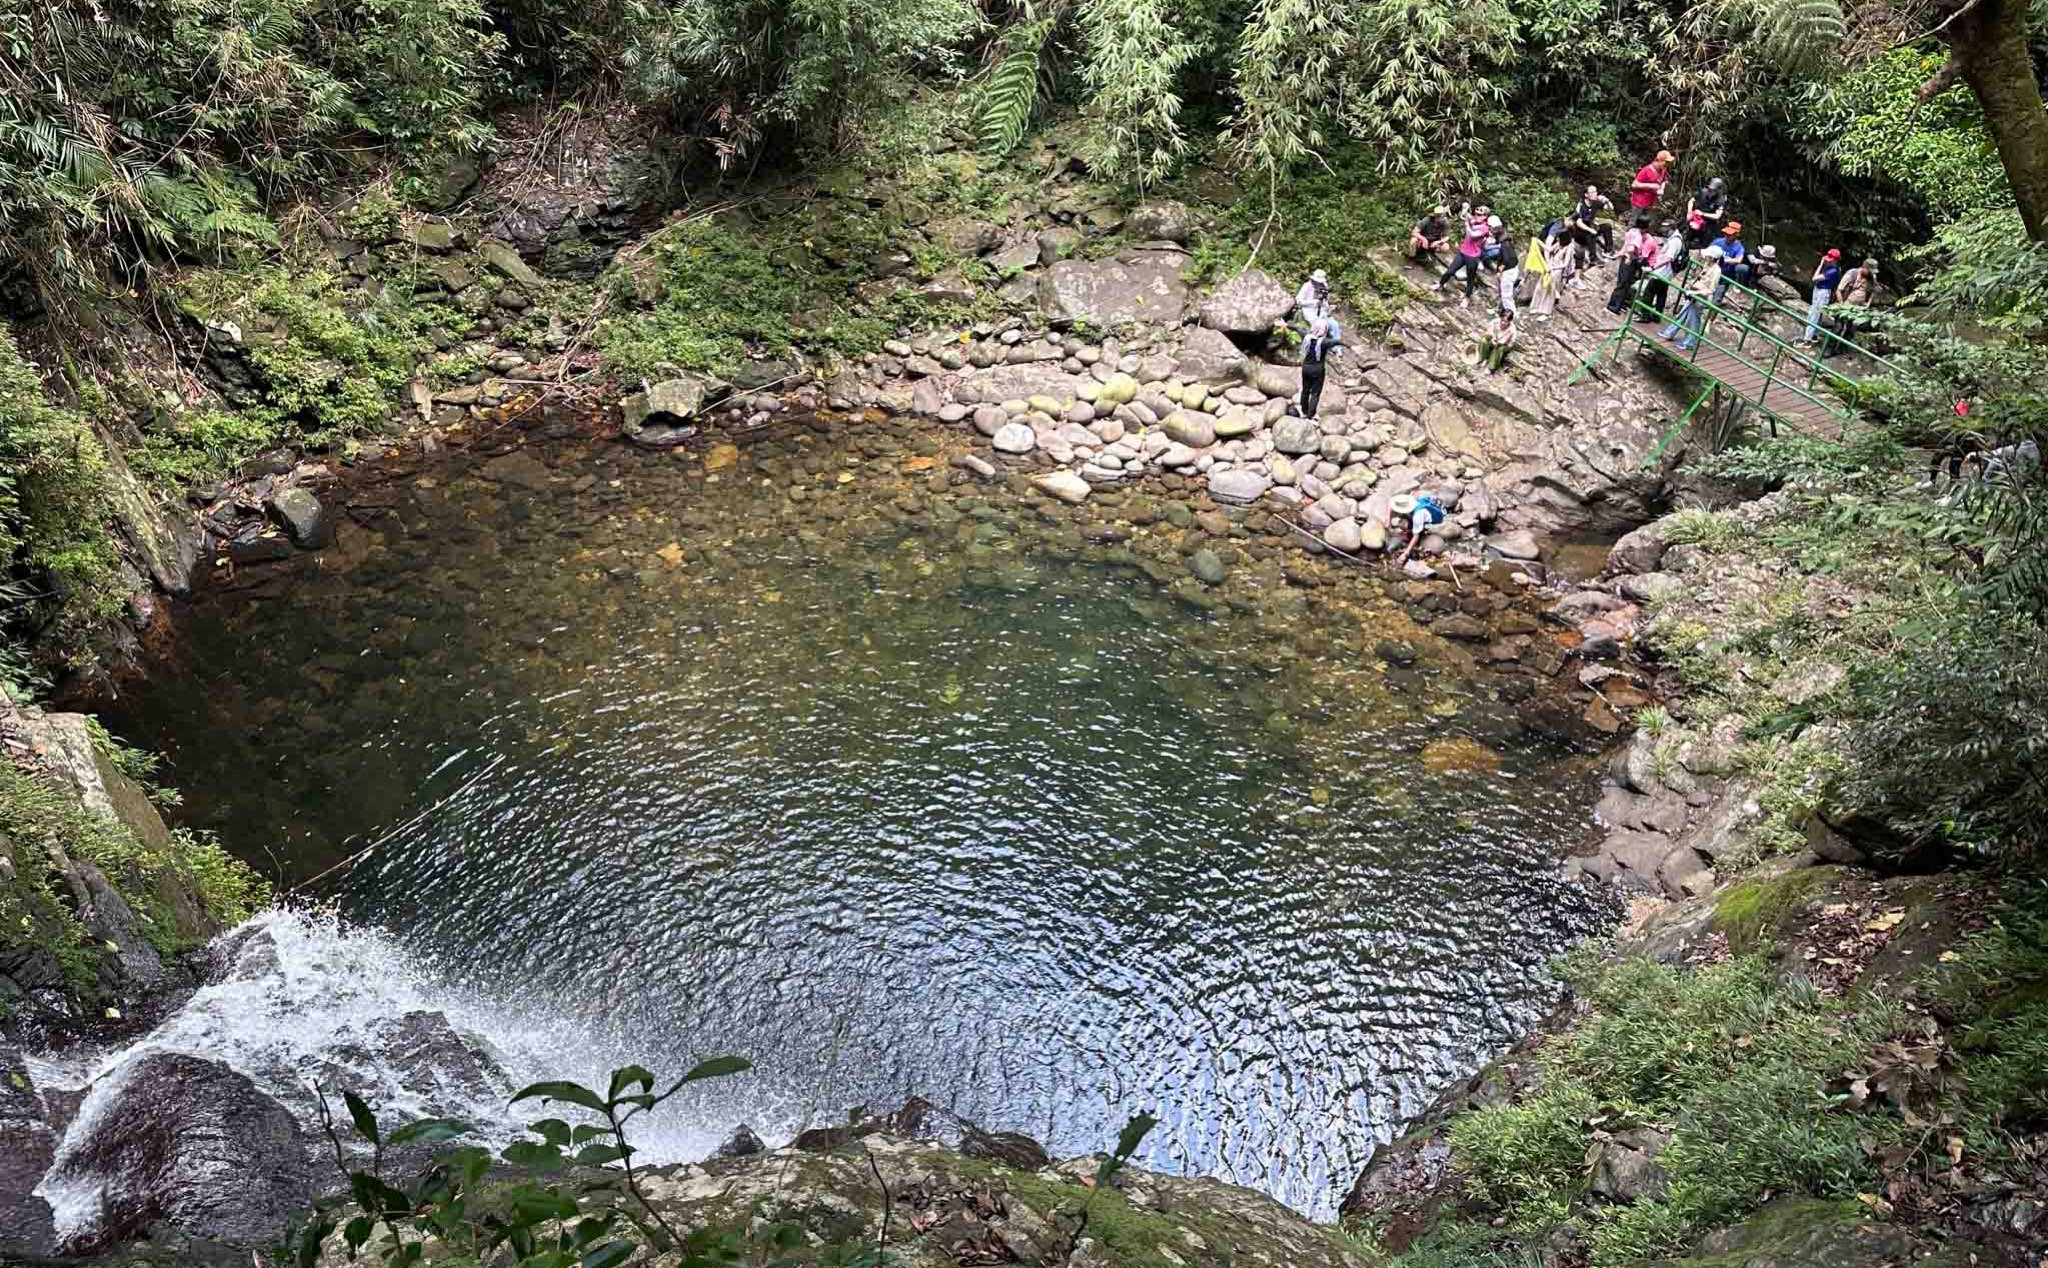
x: 1323, y: 339
x: 1418, y: 514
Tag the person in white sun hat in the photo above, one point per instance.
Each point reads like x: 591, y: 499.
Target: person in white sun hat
x: 1418, y: 514
x: 1313, y: 299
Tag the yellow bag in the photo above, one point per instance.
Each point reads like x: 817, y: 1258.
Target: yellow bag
x: 1535, y: 264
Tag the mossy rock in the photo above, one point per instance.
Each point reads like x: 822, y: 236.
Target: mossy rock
x: 940, y: 1200
x: 1809, y: 1233
x: 1759, y: 912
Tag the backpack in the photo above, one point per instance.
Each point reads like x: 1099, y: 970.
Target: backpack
x: 1428, y: 503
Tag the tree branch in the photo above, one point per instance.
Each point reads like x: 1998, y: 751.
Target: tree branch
x: 1940, y: 81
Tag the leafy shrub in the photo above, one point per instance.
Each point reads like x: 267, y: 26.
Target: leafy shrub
x: 1529, y: 1160
x: 1954, y: 736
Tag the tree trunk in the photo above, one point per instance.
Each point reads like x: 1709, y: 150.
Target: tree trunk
x: 1988, y: 45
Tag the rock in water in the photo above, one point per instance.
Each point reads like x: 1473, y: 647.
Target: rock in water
x: 1062, y: 484
x: 27, y: 1144
x: 743, y: 1143
x: 1344, y: 535
x: 300, y: 514
x: 179, y: 1140
x: 518, y: 467
x: 1247, y: 304
x: 659, y: 417
x: 1014, y: 438
x: 1207, y: 565
x: 1520, y: 544
x: 1240, y: 484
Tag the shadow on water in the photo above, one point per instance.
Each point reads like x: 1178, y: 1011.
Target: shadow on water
x: 897, y: 789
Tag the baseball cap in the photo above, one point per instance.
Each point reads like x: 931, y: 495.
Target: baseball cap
x: 1733, y: 227
x: 1834, y: 253
x: 1665, y: 156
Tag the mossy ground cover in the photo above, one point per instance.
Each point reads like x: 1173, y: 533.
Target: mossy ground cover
x: 1883, y: 1105
x: 40, y: 821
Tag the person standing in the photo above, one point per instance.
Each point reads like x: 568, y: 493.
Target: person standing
x: 1857, y: 287
x: 1692, y: 314
x: 1557, y: 253
x: 1648, y: 186
x: 1315, y: 353
x: 1586, y: 227
x: 1664, y: 266
x: 1703, y: 214
x: 1827, y: 275
x: 1734, y: 259
x: 1469, y: 250
x: 1313, y: 299
x: 1498, y: 244
x: 1637, y: 249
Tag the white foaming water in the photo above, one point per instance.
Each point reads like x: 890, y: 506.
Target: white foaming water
x: 306, y: 1001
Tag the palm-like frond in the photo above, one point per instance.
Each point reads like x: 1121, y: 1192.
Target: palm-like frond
x: 1796, y: 35
x: 1012, y: 92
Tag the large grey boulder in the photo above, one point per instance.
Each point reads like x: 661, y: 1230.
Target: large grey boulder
x: 1239, y: 484
x: 1209, y: 356
x: 1247, y: 304
x: 1138, y: 286
x: 1166, y: 219
x: 175, y: 1139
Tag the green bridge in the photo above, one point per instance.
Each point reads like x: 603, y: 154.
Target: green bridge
x: 1741, y: 358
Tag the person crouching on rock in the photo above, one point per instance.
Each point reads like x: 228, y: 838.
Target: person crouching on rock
x: 1499, y: 337
x: 1323, y: 340
x: 1418, y: 515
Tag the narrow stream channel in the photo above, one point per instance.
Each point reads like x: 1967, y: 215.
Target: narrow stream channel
x: 894, y: 789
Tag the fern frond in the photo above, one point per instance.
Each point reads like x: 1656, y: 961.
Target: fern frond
x: 1012, y: 92
x: 1796, y: 35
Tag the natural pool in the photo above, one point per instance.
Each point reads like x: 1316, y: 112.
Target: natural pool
x: 897, y: 783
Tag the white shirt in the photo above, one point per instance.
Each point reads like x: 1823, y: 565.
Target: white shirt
x: 1311, y: 302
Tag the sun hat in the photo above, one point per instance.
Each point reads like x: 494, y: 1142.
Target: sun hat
x: 1319, y: 276
x: 1768, y: 252
x: 1402, y: 504
x: 1493, y: 222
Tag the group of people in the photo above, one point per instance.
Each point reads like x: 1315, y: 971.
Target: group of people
x: 1701, y: 254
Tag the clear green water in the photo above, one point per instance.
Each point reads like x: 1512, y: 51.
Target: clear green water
x: 897, y: 790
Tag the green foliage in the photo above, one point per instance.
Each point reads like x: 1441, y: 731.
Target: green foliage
x: 329, y: 367
x: 1135, y: 54
x: 1996, y: 994
x: 1528, y: 1160
x: 1987, y: 268
x: 1417, y: 84
x: 1735, y: 1062
x: 731, y: 73
x: 1011, y: 94
x: 136, y: 136
x: 39, y: 819
x: 54, y: 505
x: 1871, y: 122
x: 1954, y: 735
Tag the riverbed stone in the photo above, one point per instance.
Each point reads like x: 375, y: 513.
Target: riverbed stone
x: 1064, y: 485
x: 1297, y: 436
x: 1196, y: 431
x: 1247, y: 304
x: 303, y: 516
x: 1208, y: 567
x: 1015, y: 438
x: 1239, y: 484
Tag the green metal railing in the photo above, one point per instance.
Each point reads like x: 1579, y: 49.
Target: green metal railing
x: 1784, y: 368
